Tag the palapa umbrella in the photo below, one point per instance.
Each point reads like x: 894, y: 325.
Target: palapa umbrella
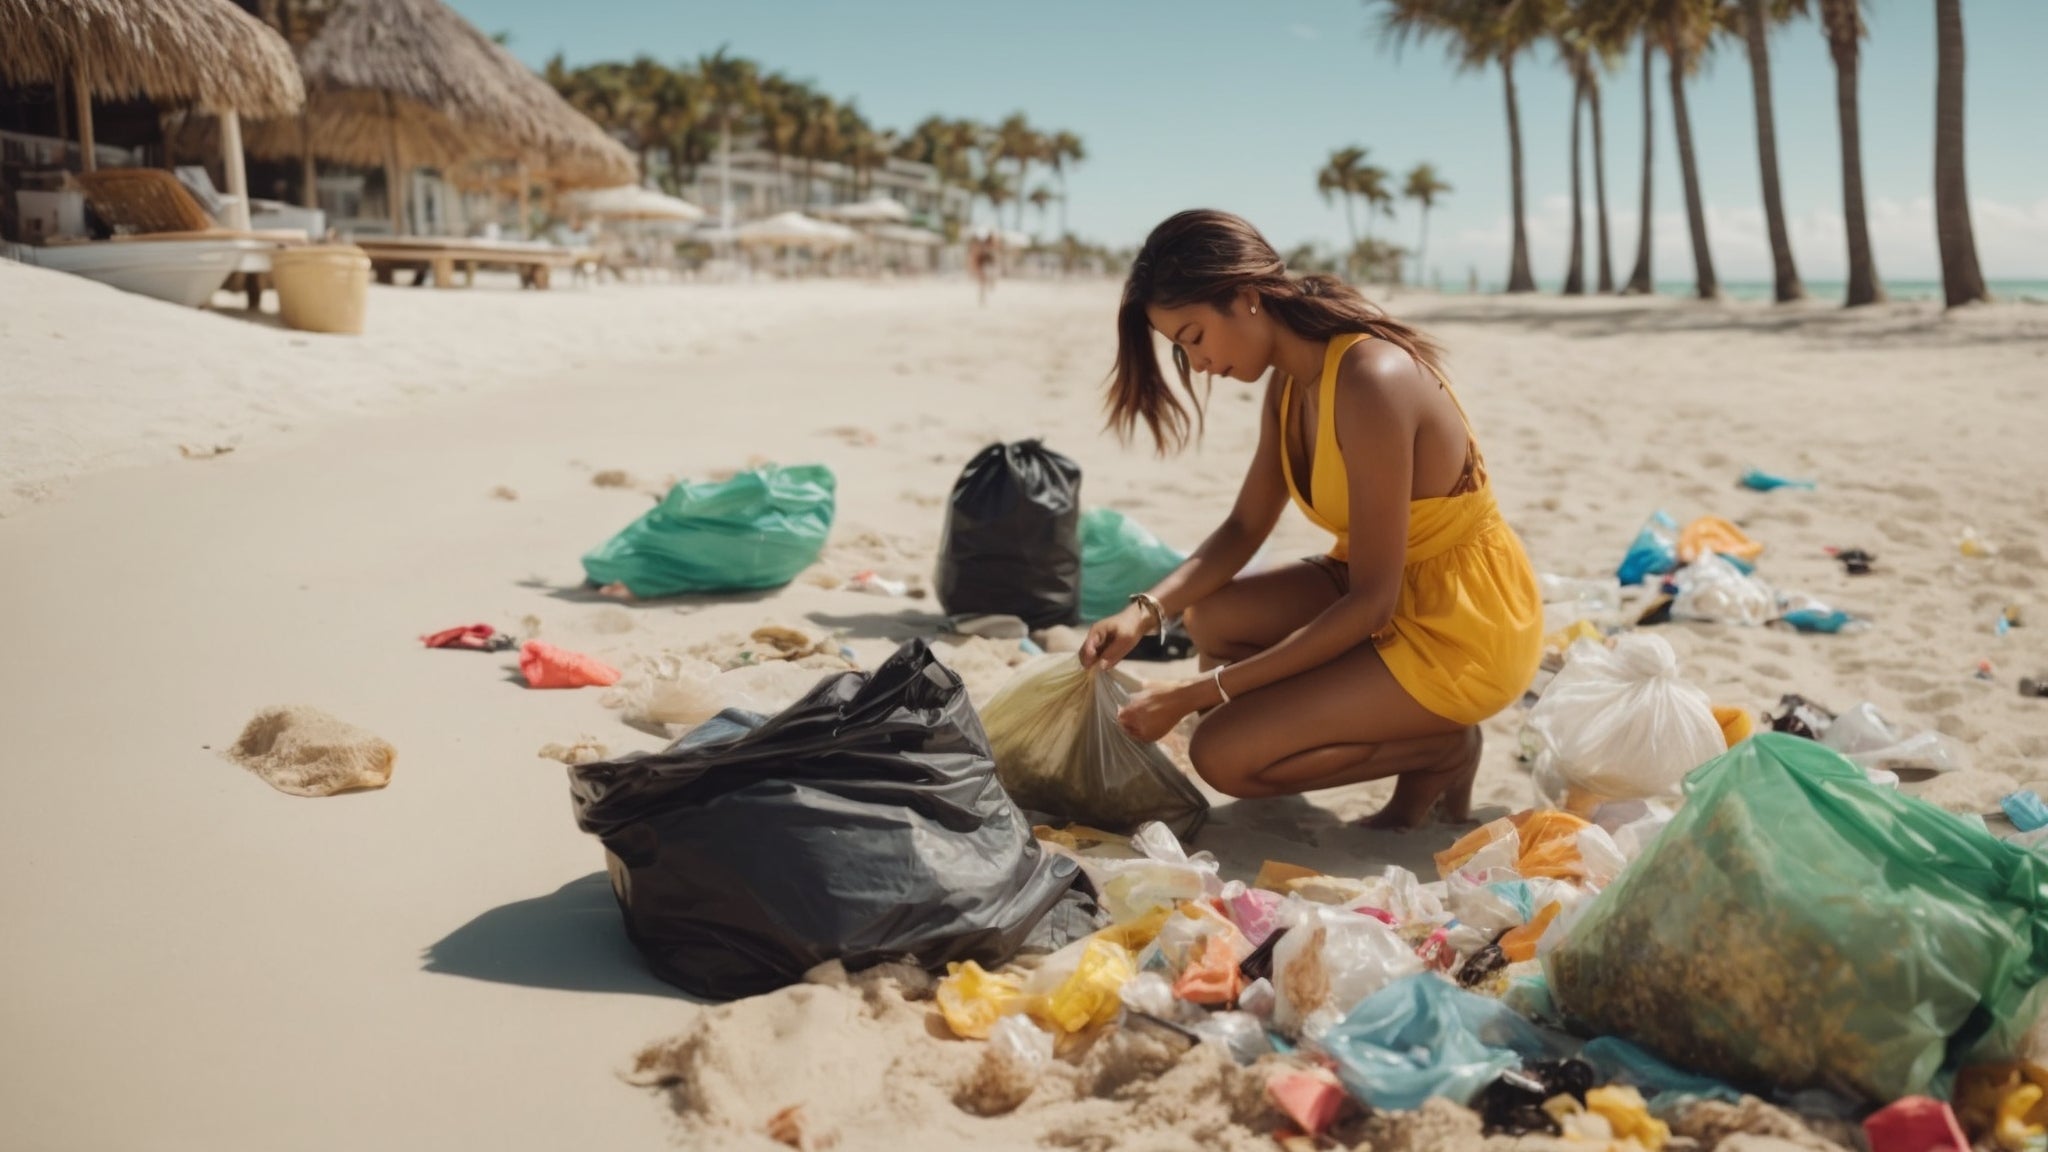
x: 403, y: 82
x: 207, y: 53
x: 876, y: 210
x: 632, y: 202
x: 795, y: 230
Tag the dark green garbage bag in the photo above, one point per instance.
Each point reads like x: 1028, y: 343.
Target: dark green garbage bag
x: 1119, y: 559
x: 756, y: 530
x: 1797, y: 926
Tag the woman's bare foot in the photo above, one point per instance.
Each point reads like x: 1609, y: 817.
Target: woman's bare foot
x: 1447, y: 784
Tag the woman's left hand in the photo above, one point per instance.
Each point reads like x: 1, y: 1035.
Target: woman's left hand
x: 1151, y: 714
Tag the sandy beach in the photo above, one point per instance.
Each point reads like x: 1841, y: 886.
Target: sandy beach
x: 196, y: 960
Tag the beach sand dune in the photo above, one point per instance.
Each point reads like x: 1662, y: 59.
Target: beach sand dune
x: 199, y: 960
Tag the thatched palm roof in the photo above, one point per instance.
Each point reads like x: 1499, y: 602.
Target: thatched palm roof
x: 204, y: 52
x: 449, y: 91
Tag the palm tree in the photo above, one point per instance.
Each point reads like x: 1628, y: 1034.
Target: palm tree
x: 1687, y: 29
x: 1842, y: 22
x: 1041, y: 198
x: 1063, y: 148
x: 1755, y: 18
x: 1017, y: 141
x: 1639, y: 280
x: 1339, y: 177
x: 780, y: 119
x: 733, y: 86
x: 1603, y: 51
x: 1574, y: 52
x: 817, y: 137
x: 1371, y: 181
x: 1425, y: 188
x: 1478, y: 33
x: 995, y: 188
x: 1962, y: 281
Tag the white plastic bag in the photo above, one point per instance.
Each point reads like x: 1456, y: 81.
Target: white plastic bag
x: 1716, y: 591
x: 1567, y: 600
x: 1328, y: 961
x: 1059, y: 751
x: 1162, y: 876
x: 1017, y: 1039
x: 1863, y: 735
x: 1621, y: 724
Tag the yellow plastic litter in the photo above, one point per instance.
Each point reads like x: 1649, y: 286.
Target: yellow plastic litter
x: 2008, y: 1102
x: 972, y: 999
x: 1519, y: 943
x: 1736, y: 724
x: 1088, y: 996
x: 1135, y: 934
x: 1713, y: 534
x: 1571, y: 633
x: 1628, y: 1115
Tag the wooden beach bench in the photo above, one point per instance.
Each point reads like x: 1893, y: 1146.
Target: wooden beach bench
x: 439, y: 257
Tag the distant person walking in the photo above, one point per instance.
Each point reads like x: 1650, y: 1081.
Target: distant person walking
x: 982, y: 255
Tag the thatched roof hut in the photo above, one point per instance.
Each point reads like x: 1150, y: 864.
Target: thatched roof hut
x: 415, y: 76
x: 204, y: 52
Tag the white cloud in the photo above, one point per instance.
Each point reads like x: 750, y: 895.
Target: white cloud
x: 2012, y: 242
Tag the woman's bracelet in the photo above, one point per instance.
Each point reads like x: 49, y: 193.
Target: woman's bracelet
x: 1153, y: 608
x: 1217, y: 678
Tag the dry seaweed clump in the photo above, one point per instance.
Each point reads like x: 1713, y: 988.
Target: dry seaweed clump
x: 1769, y: 997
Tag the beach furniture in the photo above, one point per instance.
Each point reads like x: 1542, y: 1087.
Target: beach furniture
x: 439, y: 258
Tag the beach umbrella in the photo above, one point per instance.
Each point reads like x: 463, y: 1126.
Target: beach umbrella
x: 207, y: 53
x: 904, y: 234
x: 632, y: 202
x: 795, y: 230
x: 877, y: 210
x: 399, y: 83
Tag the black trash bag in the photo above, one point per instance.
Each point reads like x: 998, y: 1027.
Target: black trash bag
x: 1012, y: 541
x: 864, y: 823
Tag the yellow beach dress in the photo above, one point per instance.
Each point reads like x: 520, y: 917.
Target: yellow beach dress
x: 1467, y: 635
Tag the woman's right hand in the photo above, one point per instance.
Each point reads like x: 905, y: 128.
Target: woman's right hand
x: 1113, y: 638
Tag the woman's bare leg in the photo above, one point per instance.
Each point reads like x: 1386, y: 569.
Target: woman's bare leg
x: 1346, y: 722
x: 1252, y: 613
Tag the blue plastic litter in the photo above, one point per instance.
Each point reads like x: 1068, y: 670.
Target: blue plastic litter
x: 1759, y: 481
x: 1815, y: 620
x: 1421, y: 1036
x: 1030, y: 647
x: 2025, y: 810
x: 1619, y: 1061
x: 1653, y: 552
x: 1741, y: 565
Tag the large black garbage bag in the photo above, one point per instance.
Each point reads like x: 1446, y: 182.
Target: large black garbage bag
x: 864, y: 823
x: 1012, y: 542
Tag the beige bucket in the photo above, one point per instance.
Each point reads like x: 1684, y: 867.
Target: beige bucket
x: 321, y: 287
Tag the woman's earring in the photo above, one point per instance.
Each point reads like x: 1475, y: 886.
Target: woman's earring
x: 1255, y: 309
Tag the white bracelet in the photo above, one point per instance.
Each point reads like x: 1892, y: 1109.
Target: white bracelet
x: 1217, y: 677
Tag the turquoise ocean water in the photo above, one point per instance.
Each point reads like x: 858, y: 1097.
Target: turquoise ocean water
x: 2035, y: 291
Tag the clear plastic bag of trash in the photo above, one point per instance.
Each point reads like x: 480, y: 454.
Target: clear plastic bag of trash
x: 1866, y: 737
x: 1798, y: 927
x: 1060, y: 751
x: 1568, y: 599
x: 1162, y: 876
x: 1329, y: 960
x: 1714, y: 590
x: 1621, y: 723
x: 1017, y: 1039
x: 1241, y: 1034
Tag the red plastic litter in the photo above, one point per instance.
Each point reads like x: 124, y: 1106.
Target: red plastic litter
x: 1312, y: 1102
x: 1915, y: 1124
x: 474, y: 636
x: 546, y: 666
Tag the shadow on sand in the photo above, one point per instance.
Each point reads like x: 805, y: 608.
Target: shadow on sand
x: 569, y: 939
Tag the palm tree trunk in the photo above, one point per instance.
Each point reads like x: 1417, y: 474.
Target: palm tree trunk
x: 1422, y: 248
x: 1784, y: 274
x: 1864, y: 287
x: 725, y: 170
x: 1962, y: 280
x: 1639, y: 281
x: 1063, y: 205
x: 1519, y: 277
x: 1575, y: 268
x: 1704, y: 282
x: 1606, y: 282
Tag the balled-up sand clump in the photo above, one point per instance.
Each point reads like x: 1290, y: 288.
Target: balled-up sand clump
x: 304, y: 751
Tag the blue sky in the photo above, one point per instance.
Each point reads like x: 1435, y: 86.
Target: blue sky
x: 1236, y: 103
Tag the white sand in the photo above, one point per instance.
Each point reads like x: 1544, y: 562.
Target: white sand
x: 195, y: 960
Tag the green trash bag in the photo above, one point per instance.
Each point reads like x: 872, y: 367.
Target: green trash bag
x: 1119, y: 559
x: 756, y: 530
x: 1796, y: 926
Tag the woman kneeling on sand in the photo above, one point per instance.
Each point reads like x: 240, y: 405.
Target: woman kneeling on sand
x: 1382, y: 657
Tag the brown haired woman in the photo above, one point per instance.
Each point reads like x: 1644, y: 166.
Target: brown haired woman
x: 1381, y: 658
